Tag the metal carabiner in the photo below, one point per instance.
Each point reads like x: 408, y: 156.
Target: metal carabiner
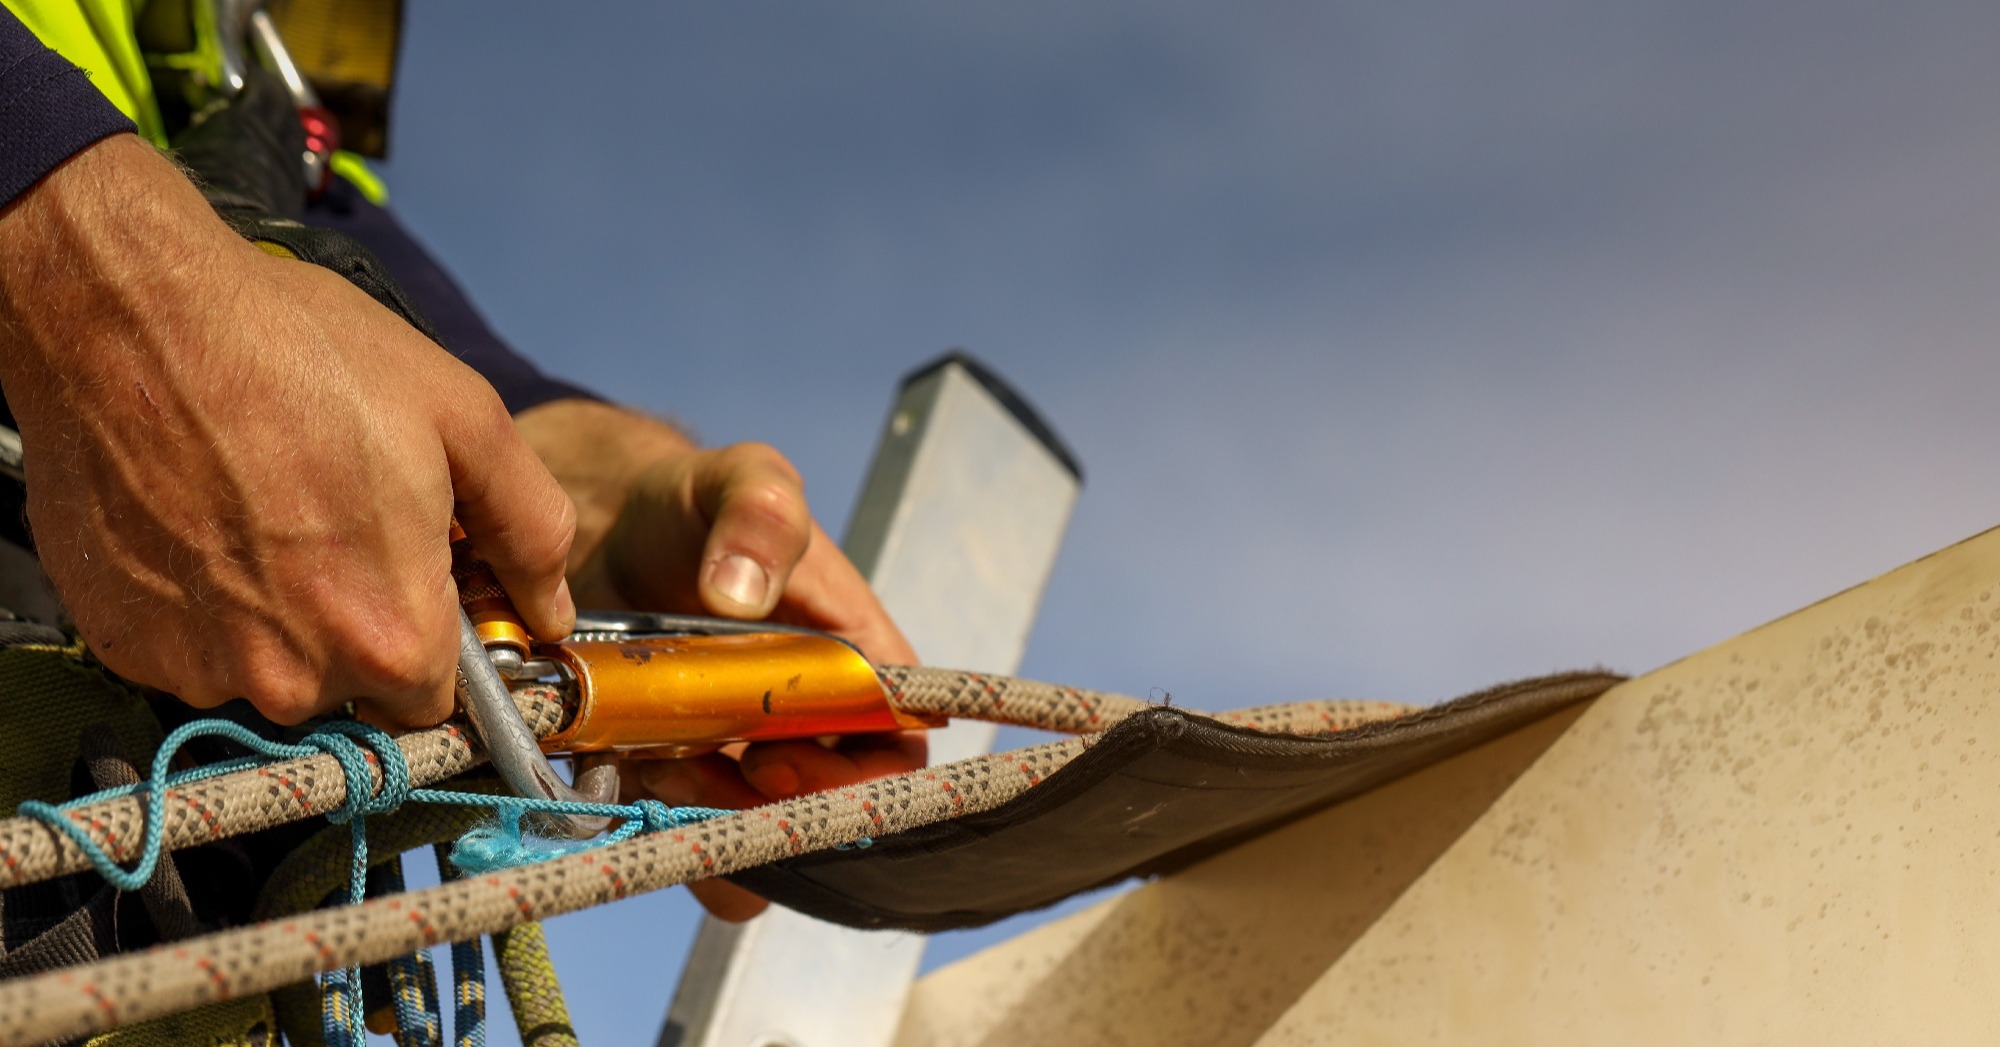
x: 490, y: 632
x: 513, y: 750
x: 234, y: 33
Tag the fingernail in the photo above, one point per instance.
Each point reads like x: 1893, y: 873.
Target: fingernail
x: 775, y: 780
x: 741, y: 580
x: 565, y: 606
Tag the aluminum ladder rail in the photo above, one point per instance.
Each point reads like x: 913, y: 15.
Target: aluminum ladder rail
x: 957, y: 530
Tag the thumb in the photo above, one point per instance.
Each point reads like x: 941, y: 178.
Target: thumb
x: 759, y: 528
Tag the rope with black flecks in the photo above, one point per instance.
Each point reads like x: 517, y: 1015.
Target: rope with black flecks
x: 230, y: 805
x: 265, y: 956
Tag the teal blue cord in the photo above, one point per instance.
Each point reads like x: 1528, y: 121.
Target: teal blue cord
x: 504, y: 845
x: 337, y: 740
x: 351, y: 743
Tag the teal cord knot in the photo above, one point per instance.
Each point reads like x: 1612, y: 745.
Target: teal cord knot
x: 351, y: 742
x: 657, y: 816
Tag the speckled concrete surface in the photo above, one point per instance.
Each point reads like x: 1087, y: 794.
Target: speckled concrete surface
x: 1787, y: 838
x: 1211, y: 956
x: 1792, y: 837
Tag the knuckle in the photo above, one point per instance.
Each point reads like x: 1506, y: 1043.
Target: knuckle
x: 480, y: 413
x: 753, y: 456
x: 286, y: 709
x: 284, y: 691
x: 482, y: 405
x: 548, y: 551
x: 397, y: 662
x: 201, y: 697
x: 776, y: 505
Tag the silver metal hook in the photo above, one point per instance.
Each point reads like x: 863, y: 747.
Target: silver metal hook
x: 512, y: 748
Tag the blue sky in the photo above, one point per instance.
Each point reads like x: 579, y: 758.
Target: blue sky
x: 1408, y: 347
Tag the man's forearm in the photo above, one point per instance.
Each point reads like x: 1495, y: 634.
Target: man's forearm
x: 87, y: 258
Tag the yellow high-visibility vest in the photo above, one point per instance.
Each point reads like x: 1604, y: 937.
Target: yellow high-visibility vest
x: 98, y: 36
x: 350, y: 44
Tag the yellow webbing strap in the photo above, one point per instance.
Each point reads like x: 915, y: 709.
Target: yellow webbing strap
x: 49, y: 695
x: 247, y: 1022
x: 98, y: 36
x: 342, y: 41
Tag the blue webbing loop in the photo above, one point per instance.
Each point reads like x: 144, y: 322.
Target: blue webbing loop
x: 412, y: 981
x: 468, y: 993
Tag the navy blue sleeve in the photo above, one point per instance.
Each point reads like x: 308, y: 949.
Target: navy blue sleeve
x: 48, y: 109
x: 459, y: 325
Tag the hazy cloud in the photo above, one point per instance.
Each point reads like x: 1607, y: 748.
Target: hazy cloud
x: 1409, y: 346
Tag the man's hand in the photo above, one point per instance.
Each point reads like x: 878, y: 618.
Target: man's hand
x: 241, y: 469
x: 664, y: 526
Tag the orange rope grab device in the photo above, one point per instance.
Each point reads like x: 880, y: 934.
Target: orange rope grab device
x: 675, y: 685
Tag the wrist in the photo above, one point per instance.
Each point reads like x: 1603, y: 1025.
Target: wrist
x: 113, y: 241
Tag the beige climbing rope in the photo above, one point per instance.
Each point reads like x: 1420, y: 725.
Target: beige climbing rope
x: 265, y: 956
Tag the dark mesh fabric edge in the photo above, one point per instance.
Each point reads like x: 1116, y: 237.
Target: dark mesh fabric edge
x: 460, y: 326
